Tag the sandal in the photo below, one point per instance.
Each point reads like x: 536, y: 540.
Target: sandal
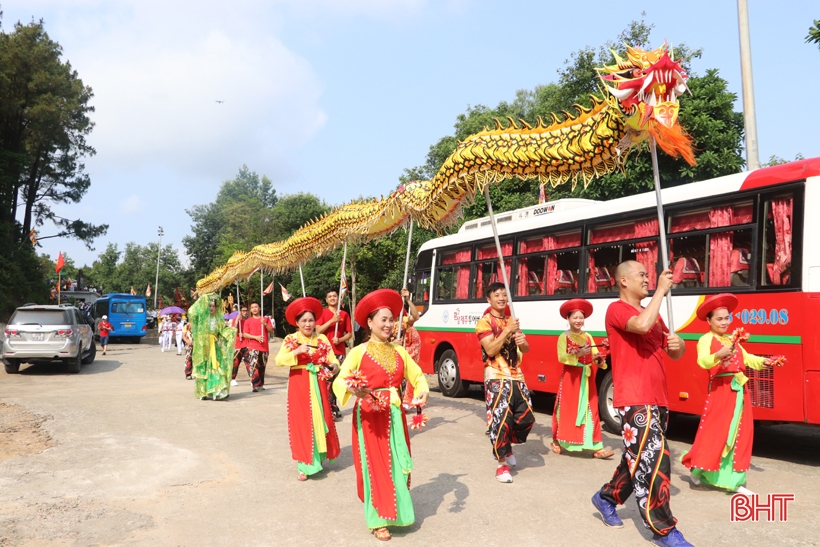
x: 555, y: 448
x: 301, y: 476
x: 382, y: 534
x: 603, y: 454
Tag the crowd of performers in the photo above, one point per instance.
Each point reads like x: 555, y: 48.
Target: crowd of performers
x: 383, y: 379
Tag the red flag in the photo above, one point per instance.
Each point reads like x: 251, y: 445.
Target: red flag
x: 60, y: 262
x: 269, y: 289
x: 285, y: 293
x: 32, y: 236
x: 148, y: 291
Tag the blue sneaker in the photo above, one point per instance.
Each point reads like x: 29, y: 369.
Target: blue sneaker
x: 607, y: 511
x: 672, y: 539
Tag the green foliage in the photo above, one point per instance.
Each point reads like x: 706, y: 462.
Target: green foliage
x: 777, y: 160
x: 813, y: 37
x: 136, y: 266
x: 44, y: 123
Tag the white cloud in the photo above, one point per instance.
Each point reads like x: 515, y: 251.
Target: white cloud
x: 131, y: 205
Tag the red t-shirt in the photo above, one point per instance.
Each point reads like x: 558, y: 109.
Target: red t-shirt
x: 344, y: 328
x: 254, y: 327
x: 637, y: 359
x: 240, y: 326
x: 105, y: 328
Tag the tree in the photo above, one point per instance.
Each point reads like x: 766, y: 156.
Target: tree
x: 238, y: 220
x: 44, y: 122
x: 814, y: 33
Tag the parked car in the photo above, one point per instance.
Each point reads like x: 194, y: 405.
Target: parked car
x: 45, y: 333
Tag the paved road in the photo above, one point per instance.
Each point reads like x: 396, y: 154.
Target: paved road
x: 123, y: 454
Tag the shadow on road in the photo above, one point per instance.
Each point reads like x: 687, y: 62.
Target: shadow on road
x: 58, y: 368
x: 428, y: 497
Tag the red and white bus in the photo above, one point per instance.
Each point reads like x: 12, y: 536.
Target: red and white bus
x: 755, y: 234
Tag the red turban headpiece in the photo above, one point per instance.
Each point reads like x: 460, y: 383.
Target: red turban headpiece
x: 301, y: 305
x: 722, y: 300
x: 574, y: 305
x: 382, y: 298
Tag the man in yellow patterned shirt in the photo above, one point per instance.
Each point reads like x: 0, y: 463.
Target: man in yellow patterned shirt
x: 509, y: 408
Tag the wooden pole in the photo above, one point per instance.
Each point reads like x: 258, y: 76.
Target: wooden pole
x: 661, y: 227
x: 404, y: 279
x: 341, y: 285
x: 498, y: 249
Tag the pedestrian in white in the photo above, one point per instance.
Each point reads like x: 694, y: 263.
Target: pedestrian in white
x: 167, y: 333
x: 180, y: 325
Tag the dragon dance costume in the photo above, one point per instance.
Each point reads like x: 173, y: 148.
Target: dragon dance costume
x: 311, y: 429
x: 509, y: 407
x: 212, y: 352
x: 722, y: 451
x: 381, y: 443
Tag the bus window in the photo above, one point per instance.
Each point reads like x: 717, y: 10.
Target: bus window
x: 452, y: 282
x: 488, y: 271
x: 777, y: 241
x: 547, y: 274
x: 604, y: 260
x: 711, y: 260
x: 420, y: 287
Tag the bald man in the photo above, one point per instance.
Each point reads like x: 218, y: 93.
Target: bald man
x: 638, y: 338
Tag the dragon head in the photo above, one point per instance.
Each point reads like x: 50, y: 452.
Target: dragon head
x: 645, y: 87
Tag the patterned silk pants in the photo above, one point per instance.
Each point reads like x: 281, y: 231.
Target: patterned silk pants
x: 189, y: 363
x: 255, y: 363
x: 239, y: 355
x: 645, y: 467
x: 509, y: 414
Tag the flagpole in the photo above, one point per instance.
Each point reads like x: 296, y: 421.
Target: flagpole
x: 661, y: 227
x: 261, y: 296
x: 498, y: 249
x: 238, y: 307
x: 302, y: 277
x: 341, y: 285
x: 59, y: 276
x: 404, y: 280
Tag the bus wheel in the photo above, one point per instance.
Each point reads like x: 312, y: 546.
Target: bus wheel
x: 449, y: 378
x: 609, y: 416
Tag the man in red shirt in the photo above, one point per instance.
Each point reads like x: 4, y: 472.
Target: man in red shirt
x: 638, y: 338
x: 335, y: 324
x: 105, y: 329
x: 240, y: 350
x: 255, y: 337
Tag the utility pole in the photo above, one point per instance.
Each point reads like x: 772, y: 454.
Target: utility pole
x: 156, y: 281
x: 749, y: 119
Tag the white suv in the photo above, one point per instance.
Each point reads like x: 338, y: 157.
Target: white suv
x: 47, y: 333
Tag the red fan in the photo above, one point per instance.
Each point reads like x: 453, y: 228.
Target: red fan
x: 739, y: 335
x: 418, y: 420
x: 356, y: 380
x: 380, y: 400
x: 776, y: 361
x: 325, y: 374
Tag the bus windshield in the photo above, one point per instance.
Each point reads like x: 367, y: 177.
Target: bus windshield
x: 127, y: 307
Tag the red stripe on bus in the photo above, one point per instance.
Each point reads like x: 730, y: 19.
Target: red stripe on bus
x: 787, y: 172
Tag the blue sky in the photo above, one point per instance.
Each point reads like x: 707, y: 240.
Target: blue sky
x: 337, y: 97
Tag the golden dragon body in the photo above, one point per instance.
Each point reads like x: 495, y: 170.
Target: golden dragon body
x: 642, y: 103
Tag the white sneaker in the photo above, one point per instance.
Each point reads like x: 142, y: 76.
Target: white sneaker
x: 511, y: 460
x: 694, y: 480
x: 234, y: 383
x: 743, y: 490
x: 502, y: 473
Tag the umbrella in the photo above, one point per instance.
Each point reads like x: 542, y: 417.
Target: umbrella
x: 231, y: 315
x: 173, y: 310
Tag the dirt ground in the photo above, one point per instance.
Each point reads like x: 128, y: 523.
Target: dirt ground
x: 124, y: 454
